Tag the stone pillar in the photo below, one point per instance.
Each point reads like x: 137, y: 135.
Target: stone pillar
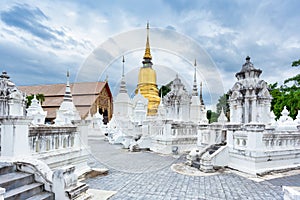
x: 14, y: 136
x: 82, y: 127
x: 232, y: 113
x: 246, y: 111
x: 239, y: 114
x: 2, y: 192
x: 231, y: 129
x: 254, y: 110
x: 255, y: 133
x: 63, y: 179
x: 266, y: 111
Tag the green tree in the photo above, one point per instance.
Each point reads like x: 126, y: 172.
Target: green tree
x: 165, y: 89
x: 296, y: 63
x: 287, y: 95
x: 223, y: 103
x: 39, y: 97
x: 212, y: 116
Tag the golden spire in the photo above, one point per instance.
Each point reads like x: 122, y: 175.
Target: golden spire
x: 147, y: 50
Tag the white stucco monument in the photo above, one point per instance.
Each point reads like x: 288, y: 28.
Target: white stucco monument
x: 173, y: 128
x: 67, y: 110
x: 36, y: 111
x: 252, y: 141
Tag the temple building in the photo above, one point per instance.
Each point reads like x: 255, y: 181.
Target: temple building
x: 250, y: 99
x: 87, y: 96
x: 147, y: 80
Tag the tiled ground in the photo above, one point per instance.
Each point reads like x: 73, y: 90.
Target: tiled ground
x: 145, y: 175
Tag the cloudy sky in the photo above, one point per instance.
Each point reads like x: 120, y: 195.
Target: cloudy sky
x: 40, y: 40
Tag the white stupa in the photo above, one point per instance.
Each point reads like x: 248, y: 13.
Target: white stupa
x: 36, y: 111
x: 67, y: 110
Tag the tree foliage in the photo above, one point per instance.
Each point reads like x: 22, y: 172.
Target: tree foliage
x: 296, y: 63
x: 39, y: 97
x: 165, y: 89
x: 212, y: 116
x: 287, y: 95
x: 223, y: 104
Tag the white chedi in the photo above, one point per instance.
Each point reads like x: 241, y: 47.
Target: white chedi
x: 12, y: 100
x: 66, y: 113
x: 222, y: 117
x: 97, y: 119
x: 249, y: 100
x: 161, y: 110
x: 177, y: 102
x: 140, y: 104
x: 89, y: 116
x: 67, y: 110
x: 285, y: 118
x: 285, y: 122
x: 36, y: 111
x: 272, y: 119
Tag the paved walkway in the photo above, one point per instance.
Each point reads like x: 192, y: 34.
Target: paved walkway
x: 146, y: 175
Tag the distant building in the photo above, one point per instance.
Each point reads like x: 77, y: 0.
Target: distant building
x: 87, y: 96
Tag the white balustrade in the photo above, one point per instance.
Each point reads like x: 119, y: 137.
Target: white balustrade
x: 45, y: 139
x: 281, y: 140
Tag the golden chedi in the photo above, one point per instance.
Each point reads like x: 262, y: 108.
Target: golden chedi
x: 147, y: 80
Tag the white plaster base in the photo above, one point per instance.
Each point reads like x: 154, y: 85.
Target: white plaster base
x: 166, y: 147
x: 59, y: 158
x: 262, y: 162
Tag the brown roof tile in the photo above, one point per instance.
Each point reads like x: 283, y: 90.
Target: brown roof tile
x: 84, y: 95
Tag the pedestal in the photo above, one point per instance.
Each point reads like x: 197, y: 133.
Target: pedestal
x: 14, y: 136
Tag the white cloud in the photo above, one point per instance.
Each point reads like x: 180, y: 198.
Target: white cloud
x: 228, y: 31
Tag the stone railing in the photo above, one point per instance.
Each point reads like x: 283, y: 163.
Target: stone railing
x: 51, y: 138
x: 281, y: 140
x: 184, y: 130
x: 240, y: 140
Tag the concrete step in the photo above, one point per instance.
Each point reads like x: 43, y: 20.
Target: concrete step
x: 42, y: 196
x: 15, y: 179
x: 75, y: 191
x: 6, y: 168
x: 24, y: 191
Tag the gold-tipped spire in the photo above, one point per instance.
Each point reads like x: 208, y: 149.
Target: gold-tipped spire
x: 147, y: 50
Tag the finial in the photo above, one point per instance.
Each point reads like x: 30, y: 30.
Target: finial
x: 106, y: 78
x: 248, y: 58
x: 201, y: 98
x: 147, y: 54
x: 68, y: 95
x: 68, y: 77
x: 195, y: 90
x: 4, y: 75
x: 123, y: 66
